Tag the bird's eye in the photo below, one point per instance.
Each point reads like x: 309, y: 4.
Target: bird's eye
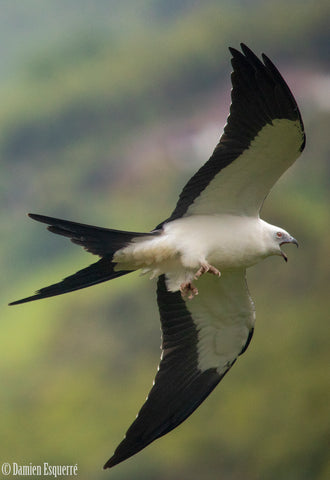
x: 279, y: 234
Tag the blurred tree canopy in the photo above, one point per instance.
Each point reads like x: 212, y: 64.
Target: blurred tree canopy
x: 100, y: 114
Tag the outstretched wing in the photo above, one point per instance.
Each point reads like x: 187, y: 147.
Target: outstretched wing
x: 263, y: 136
x: 201, y: 340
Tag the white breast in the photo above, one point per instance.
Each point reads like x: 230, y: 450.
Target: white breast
x: 225, y: 241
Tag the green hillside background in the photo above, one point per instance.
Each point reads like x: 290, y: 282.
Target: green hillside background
x: 107, y: 108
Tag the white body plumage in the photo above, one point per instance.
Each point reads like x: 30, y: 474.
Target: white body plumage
x: 224, y: 241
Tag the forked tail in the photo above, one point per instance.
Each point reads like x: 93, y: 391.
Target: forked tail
x: 99, y: 241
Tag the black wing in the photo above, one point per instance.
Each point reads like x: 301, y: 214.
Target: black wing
x: 249, y: 157
x: 190, y: 368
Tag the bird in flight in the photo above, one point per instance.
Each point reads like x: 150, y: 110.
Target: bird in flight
x: 201, y: 252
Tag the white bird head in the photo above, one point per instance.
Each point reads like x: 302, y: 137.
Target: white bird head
x: 278, y: 238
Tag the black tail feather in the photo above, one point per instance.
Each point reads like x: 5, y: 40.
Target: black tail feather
x: 99, y: 241
x: 98, y: 272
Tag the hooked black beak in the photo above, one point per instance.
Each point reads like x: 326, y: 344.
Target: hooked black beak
x: 291, y: 240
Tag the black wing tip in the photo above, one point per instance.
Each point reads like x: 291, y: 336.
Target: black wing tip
x: 268, y: 69
x: 233, y: 50
x: 119, y: 457
x: 111, y: 462
x: 245, y: 49
x: 247, y: 54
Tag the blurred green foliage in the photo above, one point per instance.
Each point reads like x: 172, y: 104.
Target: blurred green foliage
x: 84, y: 129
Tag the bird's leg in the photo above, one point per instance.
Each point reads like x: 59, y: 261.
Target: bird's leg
x: 204, y: 268
x: 188, y: 289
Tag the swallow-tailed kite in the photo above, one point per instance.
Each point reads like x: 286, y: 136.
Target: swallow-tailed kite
x: 201, y: 252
